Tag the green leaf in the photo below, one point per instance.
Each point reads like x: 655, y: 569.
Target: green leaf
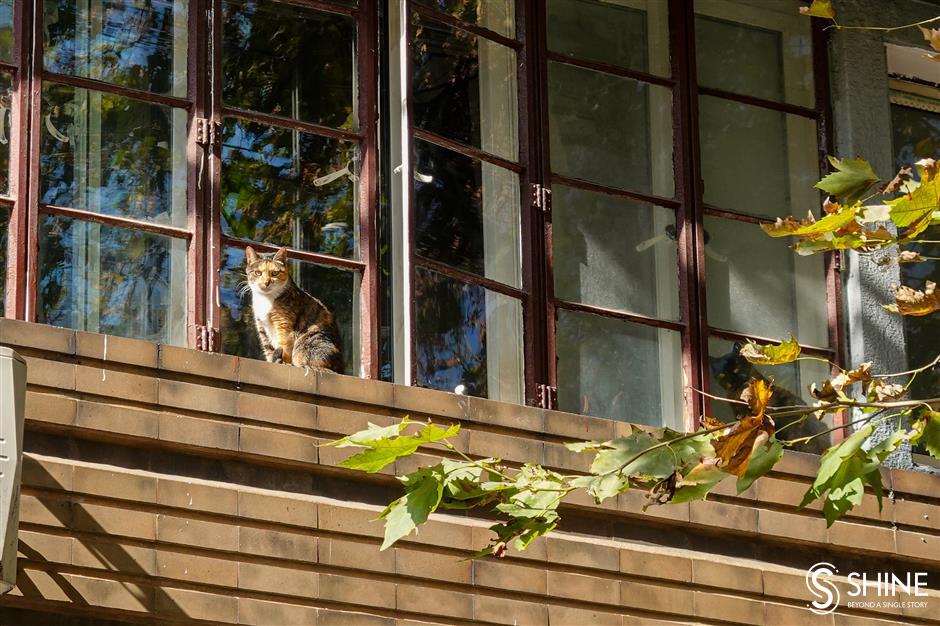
x: 762, y: 461
x: 784, y: 352
x: 585, y: 446
x: 424, y: 489
x: 832, y: 461
x: 372, y: 433
x: 851, y: 180
x: 841, y: 500
x: 931, y: 433
x: 915, y: 210
x: 383, y: 452
x: 819, y: 8
x: 658, y: 463
x: 602, y: 487
x: 697, y: 483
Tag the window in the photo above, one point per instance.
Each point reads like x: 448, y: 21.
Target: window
x: 546, y: 202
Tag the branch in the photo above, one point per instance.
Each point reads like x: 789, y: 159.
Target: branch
x: 883, y: 29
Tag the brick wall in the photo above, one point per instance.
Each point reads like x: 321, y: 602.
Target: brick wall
x: 165, y: 485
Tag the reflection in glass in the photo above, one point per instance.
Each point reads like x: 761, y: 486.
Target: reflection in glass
x: 760, y: 48
x: 467, y: 336
x: 614, y: 253
x: 289, y: 60
x: 729, y: 376
x: 111, y: 280
x: 132, y: 43
x: 6, y: 124
x: 610, y: 130
x: 758, y: 286
x: 756, y: 160
x: 4, y: 227
x: 619, y: 370
x: 464, y: 88
x: 110, y: 154
x: 497, y: 15
x: 6, y: 30
x: 467, y: 213
x: 337, y: 289
x: 275, y: 188
x: 609, y: 32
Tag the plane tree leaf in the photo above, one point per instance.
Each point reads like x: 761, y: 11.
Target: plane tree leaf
x: 423, y: 492
x: 850, y: 181
x: 819, y: 8
x: 783, y: 352
x: 914, y: 302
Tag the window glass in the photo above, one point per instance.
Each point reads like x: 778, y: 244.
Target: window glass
x: 4, y: 228
x: 729, y: 376
x: 619, y: 370
x: 758, y: 286
x: 756, y: 160
x: 467, y: 213
x: 467, y: 338
x: 337, y: 289
x: 110, y: 154
x: 6, y: 30
x: 497, y: 15
x: 132, y: 43
x: 111, y: 280
x: 464, y: 88
x: 290, y: 61
x: 284, y: 187
x: 610, y: 130
x: 759, y: 48
x: 614, y: 253
x: 6, y: 124
x: 632, y: 34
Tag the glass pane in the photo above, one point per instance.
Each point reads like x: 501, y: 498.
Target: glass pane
x: 916, y: 135
x: 467, y: 213
x: 757, y: 160
x: 464, y: 88
x: 618, y: 370
x: 109, y: 154
x: 497, y: 15
x: 760, y: 48
x: 337, y: 289
x: 6, y: 123
x: 614, y: 253
x: 730, y: 374
x: 6, y: 30
x: 4, y: 227
x: 290, y: 61
x: 112, y: 280
x: 467, y: 337
x: 133, y: 43
x: 610, y: 130
x: 289, y: 188
x: 630, y: 34
x: 758, y: 286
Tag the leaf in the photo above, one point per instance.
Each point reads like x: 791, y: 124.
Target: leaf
x: 851, y: 180
x: 383, y: 452
x: 931, y: 36
x: 910, y: 256
x: 697, y: 484
x: 914, y: 210
x: 930, y: 436
x: 834, y: 389
x: 757, y: 395
x: 819, y: 8
x: 734, y: 446
x: 623, y: 454
x: 784, y: 352
x: 585, y: 446
x: 603, y: 487
x: 424, y: 489
x: 927, y: 168
x: 899, y: 181
x: 809, y: 226
x: 873, y: 213
x: 372, y: 433
x: 762, y: 461
x: 913, y: 302
x: 882, y: 391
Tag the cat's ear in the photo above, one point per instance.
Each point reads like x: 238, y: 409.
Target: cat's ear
x: 280, y: 256
x: 250, y: 255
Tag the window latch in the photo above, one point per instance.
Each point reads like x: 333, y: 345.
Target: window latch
x: 205, y: 339
x: 206, y: 132
x: 547, y: 397
x: 541, y: 198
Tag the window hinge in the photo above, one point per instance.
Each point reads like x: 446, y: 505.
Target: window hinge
x: 206, y: 132
x: 205, y: 338
x: 837, y: 261
x: 547, y: 397
x: 541, y: 198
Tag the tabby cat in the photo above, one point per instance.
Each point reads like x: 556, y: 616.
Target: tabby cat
x: 293, y: 326
x: 733, y: 372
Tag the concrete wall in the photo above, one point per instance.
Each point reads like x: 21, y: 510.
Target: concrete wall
x: 165, y: 485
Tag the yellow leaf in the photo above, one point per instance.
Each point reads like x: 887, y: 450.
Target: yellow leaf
x: 913, y: 302
x: 819, y: 8
x: 931, y: 36
x: 784, y: 352
x: 809, y: 227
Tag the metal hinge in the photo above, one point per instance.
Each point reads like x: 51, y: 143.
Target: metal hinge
x: 837, y: 260
x: 206, y: 132
x: 542, y: 198
x: 205, y: 338
x: 547, y: 397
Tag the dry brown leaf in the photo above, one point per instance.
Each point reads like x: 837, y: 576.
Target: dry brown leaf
x: 832, y: 389
x: 903, y: 175
x: 909, y: 256
x: 915, y: 303
x: 882, y: 391
x: 734, y: 447
x: 831, y: 205
x: 926, y: 167
x: 931, y: 36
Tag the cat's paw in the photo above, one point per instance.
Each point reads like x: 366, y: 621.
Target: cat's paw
x: 278, y: 356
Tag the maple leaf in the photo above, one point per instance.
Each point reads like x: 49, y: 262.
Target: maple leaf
x: 913, y: 302
x: 819, y: 8
x: 783, y: 352
x: 931, y: 36
x: 809, y: 226
x: 915, y: 211
x: 898, y: 182
x: 832, y: 390
x: 734, y: 447
x: 851, y: 180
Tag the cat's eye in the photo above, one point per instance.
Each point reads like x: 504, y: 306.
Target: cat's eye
x: 275, y: 273
x: 256, y: 273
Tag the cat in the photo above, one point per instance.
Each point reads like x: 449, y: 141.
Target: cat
x: 733, y: 372
x: 293, y: 326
